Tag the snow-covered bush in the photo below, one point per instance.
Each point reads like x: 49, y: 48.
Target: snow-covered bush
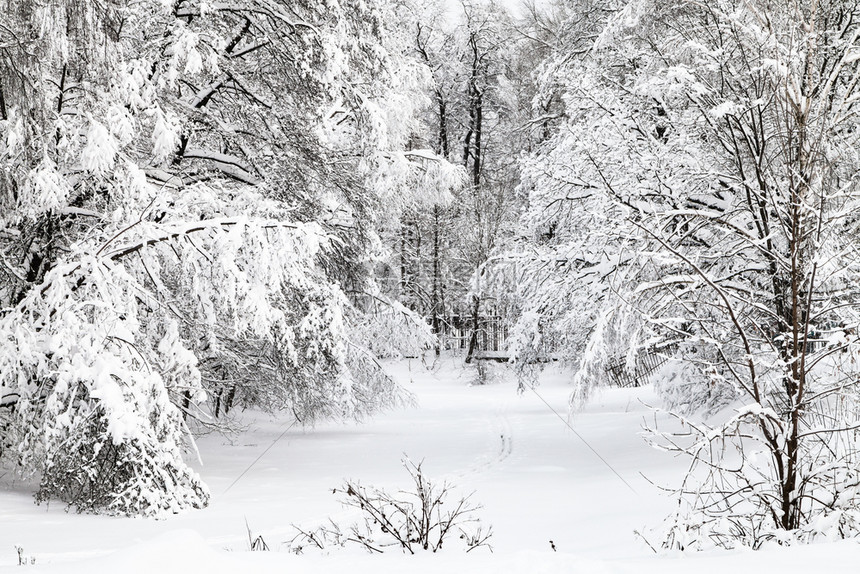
x: 388, y: 329
x: 687, y: 387
x: 93, y: 413
x: 732, y: 495
x: 410, y: 520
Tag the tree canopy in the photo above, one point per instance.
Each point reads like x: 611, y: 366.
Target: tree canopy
x: 190, y: 195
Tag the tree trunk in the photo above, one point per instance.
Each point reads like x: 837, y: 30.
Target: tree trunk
x: 473, y: 338
x: 435, y: 299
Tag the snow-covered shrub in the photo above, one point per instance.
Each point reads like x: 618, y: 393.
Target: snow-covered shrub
x: 410, y: 520
x: 138, y: 476
x: 93, y: 416
x: 688, y: 387
x: 390, y: 330
x: 731, y: 495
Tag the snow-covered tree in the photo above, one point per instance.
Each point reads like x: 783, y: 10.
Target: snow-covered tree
x: 473, y: 120
x: 556, y: 271
x: 702, y: 190
x: 189, y: 192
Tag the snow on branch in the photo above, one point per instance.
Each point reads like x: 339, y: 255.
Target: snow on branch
x: 228, y: 164
x: 261, y: 7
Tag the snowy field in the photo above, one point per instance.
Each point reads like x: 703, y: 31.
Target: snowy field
x: 537, y: 481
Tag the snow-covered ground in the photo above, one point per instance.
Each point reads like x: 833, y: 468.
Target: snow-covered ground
x: 535, y: 478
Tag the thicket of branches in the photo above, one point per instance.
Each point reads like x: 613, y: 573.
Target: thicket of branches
x: 423, y: 517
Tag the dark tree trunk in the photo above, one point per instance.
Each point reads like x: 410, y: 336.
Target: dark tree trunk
x: 473, y: 338
x: 435, y: 298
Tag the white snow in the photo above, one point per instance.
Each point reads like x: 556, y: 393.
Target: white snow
x: 535, y: 478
